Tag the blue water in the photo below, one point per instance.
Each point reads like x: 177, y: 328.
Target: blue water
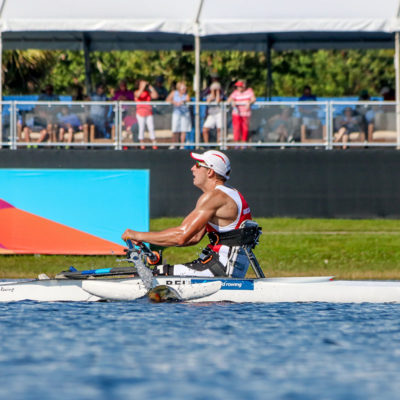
x: 140, y: 350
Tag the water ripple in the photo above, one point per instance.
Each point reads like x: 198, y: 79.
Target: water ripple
x: 199, y: 351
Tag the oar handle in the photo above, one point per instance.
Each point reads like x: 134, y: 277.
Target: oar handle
x: 152, y: 256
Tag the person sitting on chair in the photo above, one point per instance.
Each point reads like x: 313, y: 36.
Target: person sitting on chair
x: 349, y: 124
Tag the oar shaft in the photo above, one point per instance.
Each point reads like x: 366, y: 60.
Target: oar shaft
x: 97, y: 272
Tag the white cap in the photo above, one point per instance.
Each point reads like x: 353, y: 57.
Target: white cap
x: 216, y: 161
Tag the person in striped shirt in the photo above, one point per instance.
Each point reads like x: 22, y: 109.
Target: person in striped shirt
x: 241, y: 99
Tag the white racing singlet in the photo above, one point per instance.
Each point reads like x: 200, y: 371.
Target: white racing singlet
x: 232, y: 257
x: 243, y: 212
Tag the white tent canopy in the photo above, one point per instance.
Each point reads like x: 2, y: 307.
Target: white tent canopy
x: 233, y: 24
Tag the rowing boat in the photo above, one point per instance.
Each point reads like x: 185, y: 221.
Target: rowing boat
x: 194, y: 289
x: 110, y: 284
x: 264, y: 290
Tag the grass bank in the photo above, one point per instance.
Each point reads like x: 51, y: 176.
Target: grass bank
x: 348, y: 249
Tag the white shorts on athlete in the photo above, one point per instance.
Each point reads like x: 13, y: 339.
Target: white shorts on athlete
x: 184, y: 270
x: 181, y: 122
x: 213, y: 121
x: 234, y: 259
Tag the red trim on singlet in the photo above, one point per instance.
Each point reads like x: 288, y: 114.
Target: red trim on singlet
x: 243, y: 216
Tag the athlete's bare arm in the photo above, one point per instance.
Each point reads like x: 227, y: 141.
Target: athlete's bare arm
x: 191, y: 230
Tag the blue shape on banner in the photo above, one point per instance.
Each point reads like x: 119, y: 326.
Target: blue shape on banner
x: 97, y: 201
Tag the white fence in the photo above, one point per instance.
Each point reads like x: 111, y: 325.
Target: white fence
x: 124, y: 125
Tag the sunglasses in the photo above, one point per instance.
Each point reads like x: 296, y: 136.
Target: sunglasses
x: 200, y: 164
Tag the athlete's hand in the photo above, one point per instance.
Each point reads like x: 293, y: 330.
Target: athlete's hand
x: 131, y: 235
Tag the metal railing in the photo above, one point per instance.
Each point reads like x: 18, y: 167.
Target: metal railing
x: 123, y: 125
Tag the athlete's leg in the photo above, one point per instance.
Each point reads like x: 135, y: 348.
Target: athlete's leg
x: 182, y: 270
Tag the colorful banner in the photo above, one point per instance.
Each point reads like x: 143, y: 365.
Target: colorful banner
x: 71, y: 211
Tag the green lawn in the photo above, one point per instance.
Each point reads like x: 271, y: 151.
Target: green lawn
x: 348, y: 249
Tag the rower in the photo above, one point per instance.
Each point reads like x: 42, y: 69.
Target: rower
x: 223, y: 214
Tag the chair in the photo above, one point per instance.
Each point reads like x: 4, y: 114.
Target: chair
x: 82, y: 136
x: 94, y: 139
x: 313, y: 131
x: 384, y: 128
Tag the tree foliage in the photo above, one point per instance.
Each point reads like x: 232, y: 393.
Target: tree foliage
x: 24, y: 71
x: 329, y: 72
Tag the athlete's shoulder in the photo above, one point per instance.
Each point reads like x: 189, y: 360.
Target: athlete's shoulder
x: 212, y: 198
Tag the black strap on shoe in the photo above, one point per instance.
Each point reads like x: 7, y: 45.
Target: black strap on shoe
x: 208, y: 260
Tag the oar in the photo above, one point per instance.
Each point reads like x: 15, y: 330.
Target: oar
x: 152, y: 258
x: 73, y: 273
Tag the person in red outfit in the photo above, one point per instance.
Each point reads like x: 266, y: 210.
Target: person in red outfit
x: 144, y: 112
x: 241, y: 99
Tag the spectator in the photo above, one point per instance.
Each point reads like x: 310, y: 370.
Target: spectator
x: 77, y: 91
x: 123, y: 93
x: 160, y: 88
x: 98, y: 112
x: 366, y: 113
x: 214, y: 112
x: 181, y: 121
x: 46, y: 118
x: 349, y: 124
x: 69, y: 123
x: 213, y: 78
x: 173, y: 85
x: 307, y: 94
x: 48, y: 94
x: 111, y: 93
x: 130, y: 123
x: 144, y: 112
x: 311, y: 127
x: 388, y: 94
x: 241, y: 99
x: 282, y: 125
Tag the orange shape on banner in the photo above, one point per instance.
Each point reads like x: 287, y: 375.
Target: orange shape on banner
x: 25, y: 233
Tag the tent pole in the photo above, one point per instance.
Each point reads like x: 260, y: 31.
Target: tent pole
x: 86, y: 53
x: 269, y: 71
x: 397, y: 69
x: 1, y: 65
x: 197, y: 89
x: 2, y: 5
x: 197, y: 71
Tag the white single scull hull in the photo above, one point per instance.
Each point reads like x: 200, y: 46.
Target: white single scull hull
x: 268, y: 290
x: 45, y: 290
